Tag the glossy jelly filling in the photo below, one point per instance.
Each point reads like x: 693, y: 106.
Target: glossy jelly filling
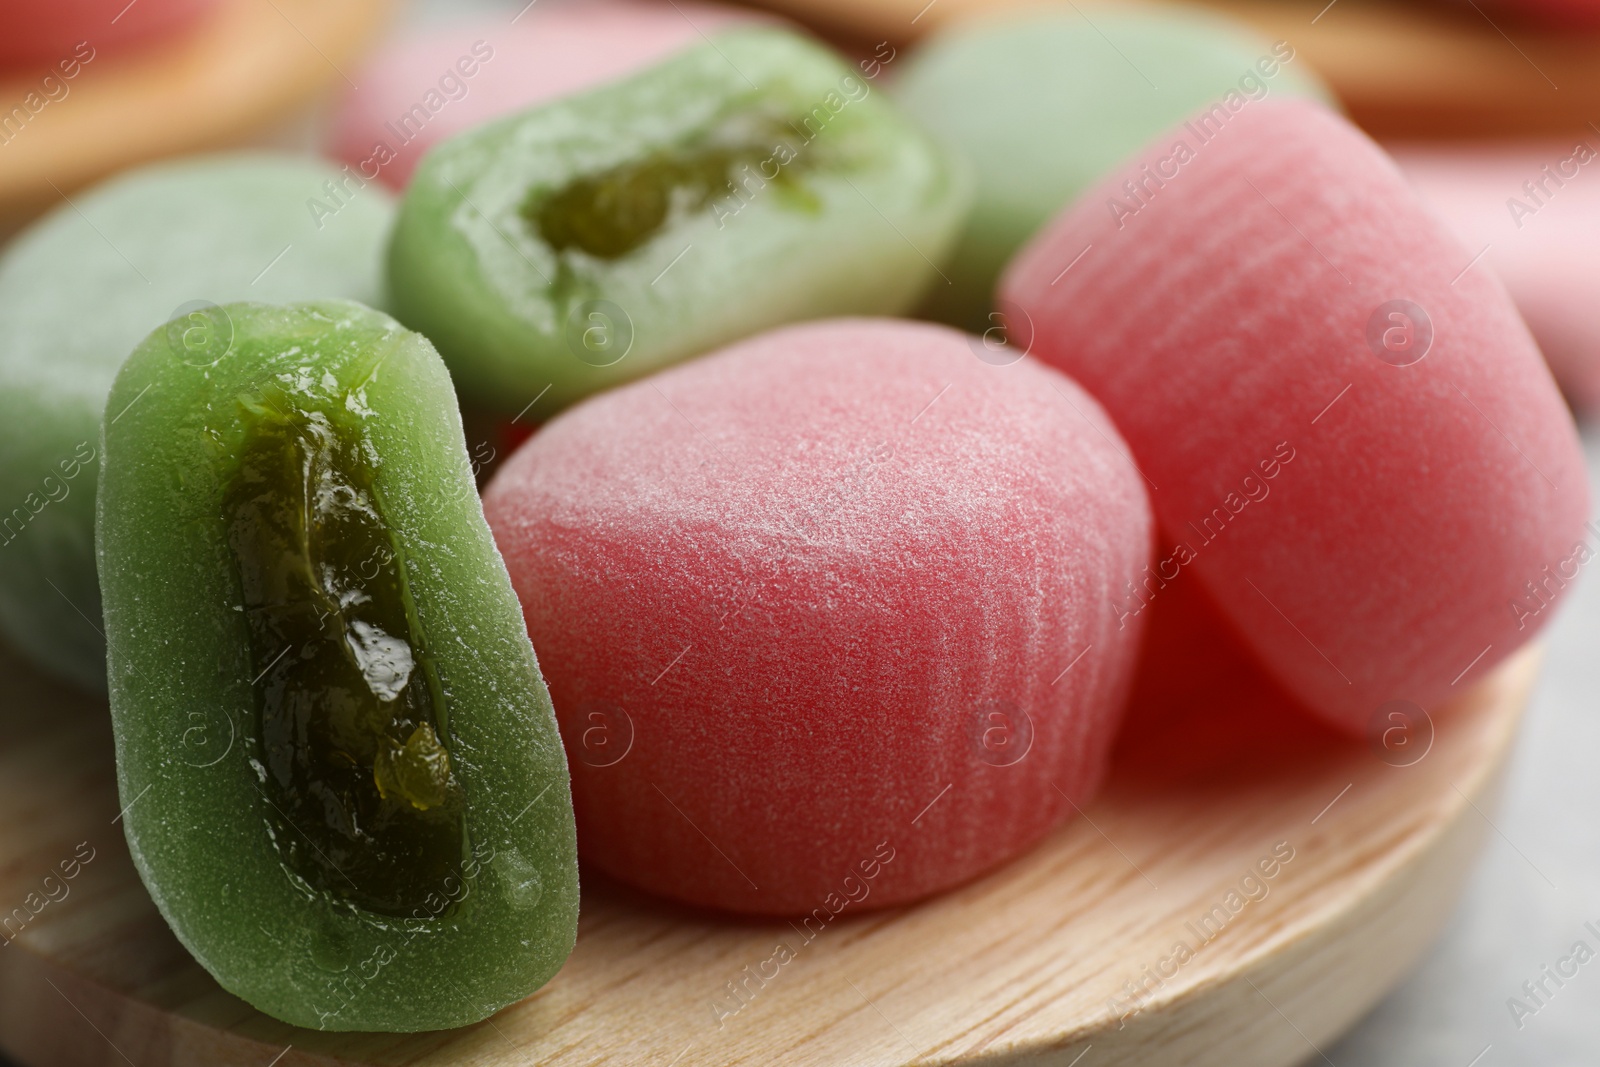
x: 611, y: 213
x: 351, y: 743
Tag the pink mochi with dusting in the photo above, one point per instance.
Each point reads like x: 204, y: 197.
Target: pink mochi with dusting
x: 439, y: 81
x: 828, y: 617
x: 1533, y: 210
x: 1351, y: 438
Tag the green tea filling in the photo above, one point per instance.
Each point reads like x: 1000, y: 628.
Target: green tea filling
x: 611, y: 213
x: 351, y: 744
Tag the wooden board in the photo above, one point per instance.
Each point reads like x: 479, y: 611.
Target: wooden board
x: 247, y: 63
x: 1019, y: 968
x: 1402, y: 68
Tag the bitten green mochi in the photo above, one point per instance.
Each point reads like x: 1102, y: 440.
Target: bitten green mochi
x: 1042, y: 103
x: 751, y: 180
x: 81, y: 287
x: 342, y: 779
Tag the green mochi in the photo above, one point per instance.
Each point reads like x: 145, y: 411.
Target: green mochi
x: 1043, y: 103
x: 752, y: 180
x: 81, y: 287
x: 181, y: 506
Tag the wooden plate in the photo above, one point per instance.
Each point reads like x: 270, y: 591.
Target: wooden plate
x: 1027, y: 966
x: 245, y: 64
x: 1402, y: 68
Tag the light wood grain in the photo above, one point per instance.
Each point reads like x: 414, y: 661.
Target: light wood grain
x: 1014, y: 969
x: 247, y: 63
x: 1402, y: 68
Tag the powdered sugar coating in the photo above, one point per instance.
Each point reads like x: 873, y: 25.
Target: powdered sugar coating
x: 804, y: 572
x: 1235, y: 315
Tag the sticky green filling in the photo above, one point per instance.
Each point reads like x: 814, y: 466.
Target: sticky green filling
x: 350, y: 739
x: 613, y: 212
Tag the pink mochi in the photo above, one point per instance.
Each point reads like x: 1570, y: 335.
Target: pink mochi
x: 1201, y: 701
x: 1350, y: 436
x: 1533, y: 209
x: 437, y: 82
x: 827, y: 616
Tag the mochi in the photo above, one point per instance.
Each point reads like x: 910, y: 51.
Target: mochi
x: 1079, y: 91
x: 1533, y: 210
x: 357, y: 815
x: 80, y: 288
x: 1351, y: 438
x: 1202, y: 706
x: 751, y: 180
x: 444, y: 79
x: 829, y: 617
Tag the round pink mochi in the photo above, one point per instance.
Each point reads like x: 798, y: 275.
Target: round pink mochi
x: 437, y: 82
x: 1533, y: 210
x: 1351, y: 437
x: 827, y: 616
